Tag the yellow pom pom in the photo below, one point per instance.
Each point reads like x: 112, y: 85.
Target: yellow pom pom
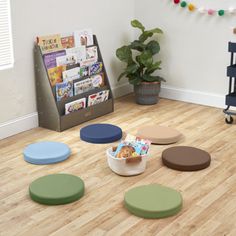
x: 191, y: 7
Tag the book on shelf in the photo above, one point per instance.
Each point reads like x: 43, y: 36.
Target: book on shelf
x: 69, y: 59
x: 83, y: 37
x: 92, y: 53
x: 95, y: 68
x: 97, y: 98
x: 67, y: 40
x: 75, y: 105
x: 98, y: 80
x: 50, y: 43
x: 50, y: 58
x: 83, y: 86
x: 55, y: 75
x: 75, y: 73
x: 64, y: 90
x: 79, y: 51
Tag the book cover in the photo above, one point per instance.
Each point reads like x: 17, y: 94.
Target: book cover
x: 95, y: 68
x: 69, y: 59
x: 75, y: 73
x: 67, y: 40
x: 55, y: 75
x: 83, y: 37
x: 50, y: 58
x: 75, y: 105
x: 79, y: 51
x: 64, y: 90
x: 50, y: 43
x: 83, y: 86
x: 98, y: 80
x: 97, y: 98
x: 92, y: 53
x: 88, y: 62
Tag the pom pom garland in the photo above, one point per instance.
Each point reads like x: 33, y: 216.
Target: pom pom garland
x: 191, y: 7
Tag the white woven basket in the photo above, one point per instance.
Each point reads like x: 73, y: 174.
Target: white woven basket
x: 121, y: 167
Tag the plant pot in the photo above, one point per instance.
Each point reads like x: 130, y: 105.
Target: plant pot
x: 147, y: 93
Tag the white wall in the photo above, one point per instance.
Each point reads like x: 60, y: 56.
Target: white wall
x: 193, y: 48
x: 108, y: 19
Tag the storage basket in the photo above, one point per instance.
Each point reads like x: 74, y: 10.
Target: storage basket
x: 126, y: 167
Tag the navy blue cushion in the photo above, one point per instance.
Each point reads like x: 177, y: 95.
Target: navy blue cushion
x: 100, y: 133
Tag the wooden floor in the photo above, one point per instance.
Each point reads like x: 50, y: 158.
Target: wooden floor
x: 209, y: 195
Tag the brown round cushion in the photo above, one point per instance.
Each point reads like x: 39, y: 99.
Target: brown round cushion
x: 186, y: 158
x: 159, y: 134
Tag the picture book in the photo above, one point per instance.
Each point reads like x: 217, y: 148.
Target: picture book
x: 98, y: 80
x: 83, y: 37
x: 55, y: 75
x: 92, y: 53
x: 88, y: 62
x: 67, y: 40
x: 132, y: 147
x: 79, y: 51
x: 83, y: 86
x: 95, y: 68
x: 75, y: 73
x: 50, y: 43
x: 75, y: 105
x: 50, y: 58
x: 97, y: 98
x: 69, y: 59
x: 64, y: 90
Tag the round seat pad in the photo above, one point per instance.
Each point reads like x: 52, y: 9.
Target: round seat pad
x: 186, y: 158
x: 153, y: 201
x: 101, y: 133
x: 159, y: 134
x: 56, y: 189
x: 46, y: 152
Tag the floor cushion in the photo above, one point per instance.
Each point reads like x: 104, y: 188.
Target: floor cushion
x: 56, y: 189
x: 153, y: 201
x: 186, y: 158
x: 100, y: 133
x: 159, y: 134
x: 46, y: 152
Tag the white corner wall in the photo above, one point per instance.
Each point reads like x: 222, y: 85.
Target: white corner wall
x: 110, y: 21
x: 193, y: 48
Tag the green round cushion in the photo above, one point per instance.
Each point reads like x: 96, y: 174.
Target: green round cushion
x: 153, y: 201
x: 56, y: 189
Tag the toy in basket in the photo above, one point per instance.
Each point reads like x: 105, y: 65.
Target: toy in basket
x: 130, y: 157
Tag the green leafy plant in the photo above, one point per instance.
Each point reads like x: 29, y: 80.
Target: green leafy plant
x: 138, y: 56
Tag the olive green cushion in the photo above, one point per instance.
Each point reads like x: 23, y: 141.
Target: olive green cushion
x: 56, y: 189
x: 153, y: 201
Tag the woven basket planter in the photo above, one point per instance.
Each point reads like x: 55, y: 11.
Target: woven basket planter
x: 147, y: 93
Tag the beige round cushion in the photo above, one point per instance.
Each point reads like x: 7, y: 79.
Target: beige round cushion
x: 159, y: 134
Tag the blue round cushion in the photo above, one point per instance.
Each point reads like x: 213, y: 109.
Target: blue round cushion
x: 43, y: 153
x: 101, y: 133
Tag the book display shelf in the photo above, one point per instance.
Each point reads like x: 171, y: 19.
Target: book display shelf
x: 51, y: 112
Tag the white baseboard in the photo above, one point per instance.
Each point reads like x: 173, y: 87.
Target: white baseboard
x: 18, y: 125
x: 122, y: 90
x: 191, y: 96
x: 30, y: 121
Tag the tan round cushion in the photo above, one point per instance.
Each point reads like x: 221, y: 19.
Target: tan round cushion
x: 159, y: 134
x: 186, y: 158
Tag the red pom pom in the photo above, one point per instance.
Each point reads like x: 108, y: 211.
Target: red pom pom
x: 176, y: 1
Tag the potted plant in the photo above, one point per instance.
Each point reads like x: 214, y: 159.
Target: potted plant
x: 139, y: 57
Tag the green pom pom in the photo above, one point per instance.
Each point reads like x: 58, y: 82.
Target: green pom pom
x: 183, y: 4
x: 221, y: 12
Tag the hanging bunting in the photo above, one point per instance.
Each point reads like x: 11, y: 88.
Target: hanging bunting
x: 204, y: 10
